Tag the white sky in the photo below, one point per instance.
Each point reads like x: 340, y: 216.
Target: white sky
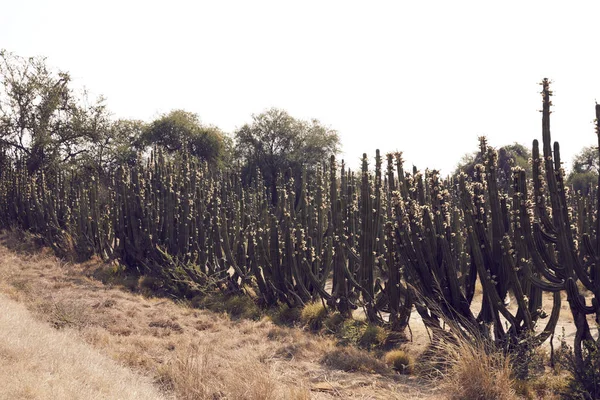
x: 423, y: 77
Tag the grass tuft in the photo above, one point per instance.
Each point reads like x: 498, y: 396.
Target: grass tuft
x: 313, y: 315
x: 400, y: 361
x: 237, y: 306
x: 373, y: 336
x: 350, y: 359
x: 477, y: 372
x: 284, y: 315
x: 242, y: 307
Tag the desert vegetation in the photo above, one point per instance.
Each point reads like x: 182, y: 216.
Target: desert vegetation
x: 260, y: 225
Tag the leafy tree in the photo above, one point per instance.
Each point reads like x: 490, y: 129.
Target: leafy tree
x: 182, y: 130
x: 582, y: 181
x: 40, y: 117
x: 509, y: 156
x: 275, y: 143
x: 117, y: 144
x: 585, y: 168
x: 587, y: 160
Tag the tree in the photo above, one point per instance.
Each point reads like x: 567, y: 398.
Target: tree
x: 275, y: 142
x: 587, y: 160
x: 181, y: 130
x: 509, y: 156
x: 117, y: 144
x: 585, y: 168
x: 41, y: 119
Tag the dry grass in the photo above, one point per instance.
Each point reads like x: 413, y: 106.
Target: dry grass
x: 351, y: 359
x: 475, y: 371
x: 313, y: 315
x: 177, y: 345
x: 198, y: 374
x: 235, y: 306
x: 373, y: 336
x: 400, y: 361
x: 38, y: 362
x: 284, y: 315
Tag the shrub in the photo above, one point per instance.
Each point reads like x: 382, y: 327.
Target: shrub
x: 242, y: 307
x: 361, y: 334
x: 584, y: 380
x: 548, y: 386
x: 372, y: 336
x: 527, y: 359
x: 400, y: 361
x: 284, y: 315
x: 237, y: 306
x: 313, y: 315
x: 334, y: 322
x: 349, y: 332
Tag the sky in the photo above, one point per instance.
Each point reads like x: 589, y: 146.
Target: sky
x: 423, y: 77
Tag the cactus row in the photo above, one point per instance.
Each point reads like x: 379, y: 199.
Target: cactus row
x: 385, y: 240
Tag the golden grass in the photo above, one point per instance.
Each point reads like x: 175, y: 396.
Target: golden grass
x: 476, y: 372
x: 198, y: 373
x: 547, y: 387
x: 372, y: 336
x: 350, y: 359
x: 172, y: 342
x: 38, y: 362
x: 400, y: 361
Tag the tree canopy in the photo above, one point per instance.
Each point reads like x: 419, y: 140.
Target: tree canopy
x: 585, y: 168
x: 116, y: 145
x: 41, y: 119
x: 182, y: 130
x: 509, y: 156
x: 275, y: 143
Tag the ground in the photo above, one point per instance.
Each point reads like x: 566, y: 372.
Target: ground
x: 161, y: 347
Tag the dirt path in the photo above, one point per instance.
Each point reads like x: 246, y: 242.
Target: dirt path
x: 190, y: 353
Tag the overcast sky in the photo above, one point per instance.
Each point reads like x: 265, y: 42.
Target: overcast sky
x: 423, y: 77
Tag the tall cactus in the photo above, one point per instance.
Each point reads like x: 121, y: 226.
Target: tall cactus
x: 383, y: 240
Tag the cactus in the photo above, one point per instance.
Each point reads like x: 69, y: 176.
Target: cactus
x: 383, y: 240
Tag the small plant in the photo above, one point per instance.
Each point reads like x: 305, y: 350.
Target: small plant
x: 528, y: 360
x: 584, y: 382
x: 350, y: 359
x: 548, y: 386
x: 372, y: 336
x: 242, y: 307
x: 400, y: 361
x: 313, y: 315
x: 334, y: 322
x: 477, y: 370
x: 285, y: 315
